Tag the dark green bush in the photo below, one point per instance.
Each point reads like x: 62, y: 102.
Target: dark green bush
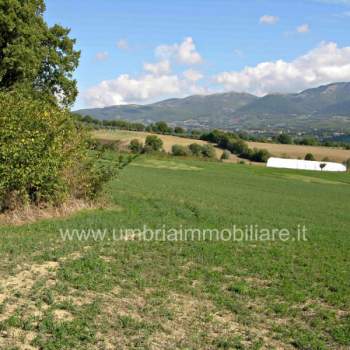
x: 309, y: 156
x: 44, y: 157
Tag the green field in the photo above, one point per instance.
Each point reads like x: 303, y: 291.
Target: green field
x: 208, y: 294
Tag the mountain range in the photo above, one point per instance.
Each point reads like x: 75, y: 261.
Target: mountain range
x: 326, y: 107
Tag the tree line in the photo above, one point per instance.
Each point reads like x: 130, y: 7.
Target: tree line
x: 45, y: 155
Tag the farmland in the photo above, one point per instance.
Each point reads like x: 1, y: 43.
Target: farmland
x: 278, y: 150
x: 200, y: 294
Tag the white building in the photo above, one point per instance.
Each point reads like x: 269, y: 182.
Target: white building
x: 304, y: 164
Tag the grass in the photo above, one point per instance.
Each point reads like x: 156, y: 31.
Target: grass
x: 106, y: 294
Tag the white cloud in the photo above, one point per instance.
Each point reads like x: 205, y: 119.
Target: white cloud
x: 143, y: 89
x: 325, y: 64
x: 184, y: 52
x: 304, y: 28
x: 122, y: 44
x: 192, y: 75
x: 267, y: 19
x: 159, y: 68
x: 101, y: 56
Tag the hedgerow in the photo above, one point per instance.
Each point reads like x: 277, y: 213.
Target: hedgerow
x: 44, y: 156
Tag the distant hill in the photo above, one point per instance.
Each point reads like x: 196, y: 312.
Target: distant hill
x: 326, y: 107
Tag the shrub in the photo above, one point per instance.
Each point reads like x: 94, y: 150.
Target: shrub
x: 195, y: 149
x: 179, y: 150
x: 43, y: 155
x: 179, y: 130
x: 208, y: 151
x: 237, y: 146
x: 225, y: 155
x: 284, y: 139
x: 309, y: 156
x: 153, y: 144
x: 260, y: 155
x: 135, y: 146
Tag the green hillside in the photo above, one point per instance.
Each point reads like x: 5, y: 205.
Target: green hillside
x: 311, y: 109
x: 107, y: 294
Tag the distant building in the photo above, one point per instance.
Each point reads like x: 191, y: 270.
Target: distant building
x: 304, y: 164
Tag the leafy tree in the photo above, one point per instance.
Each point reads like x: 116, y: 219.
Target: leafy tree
x: 179, y: 130
x: 162, y: 127
x: 208, y: 151
x: 322, y: 166
x: 196, y: 149
x: 43, y: 154
x: 33, y: 55
x: 309, y: 156
x: 135, y: 146
x: 153, y: 143
x: 260, y: 155
x: 284, y: 139
x: 180, y: 150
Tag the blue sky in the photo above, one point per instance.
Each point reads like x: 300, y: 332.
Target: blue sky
x: 137, y: 51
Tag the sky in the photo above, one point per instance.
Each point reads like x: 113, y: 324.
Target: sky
x: 138, y: 51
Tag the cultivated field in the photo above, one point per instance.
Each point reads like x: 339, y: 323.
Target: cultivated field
x: 296, y: 151
x: 208, y: 294
x: 168, y: 140
x: 291, y: 151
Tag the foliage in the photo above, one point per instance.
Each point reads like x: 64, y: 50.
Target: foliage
x: 43, y: 155
x: 180, y: 150
x: 34, y: 55
x: 179, y: 130
x: 196, y: 149
x: 309, y: 156
x: 225, y: 155
x: 153, y: 144
x: 231, y: 142
x: 284, y: 139
x: 208, y: 151
x: 135, y: 146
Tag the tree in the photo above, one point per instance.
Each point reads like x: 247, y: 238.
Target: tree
x: 162, y: 127
x: 260, y: 155
x: 196, y: 149
x: 153, y: 143
x: 135, y: 146
x: 208, y: 151
x: 179, y: 150
x: 322, y: 166
x: 33, y: 55
x: 179, y: 130
x: 284, y: 139
x: 309, y: 156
